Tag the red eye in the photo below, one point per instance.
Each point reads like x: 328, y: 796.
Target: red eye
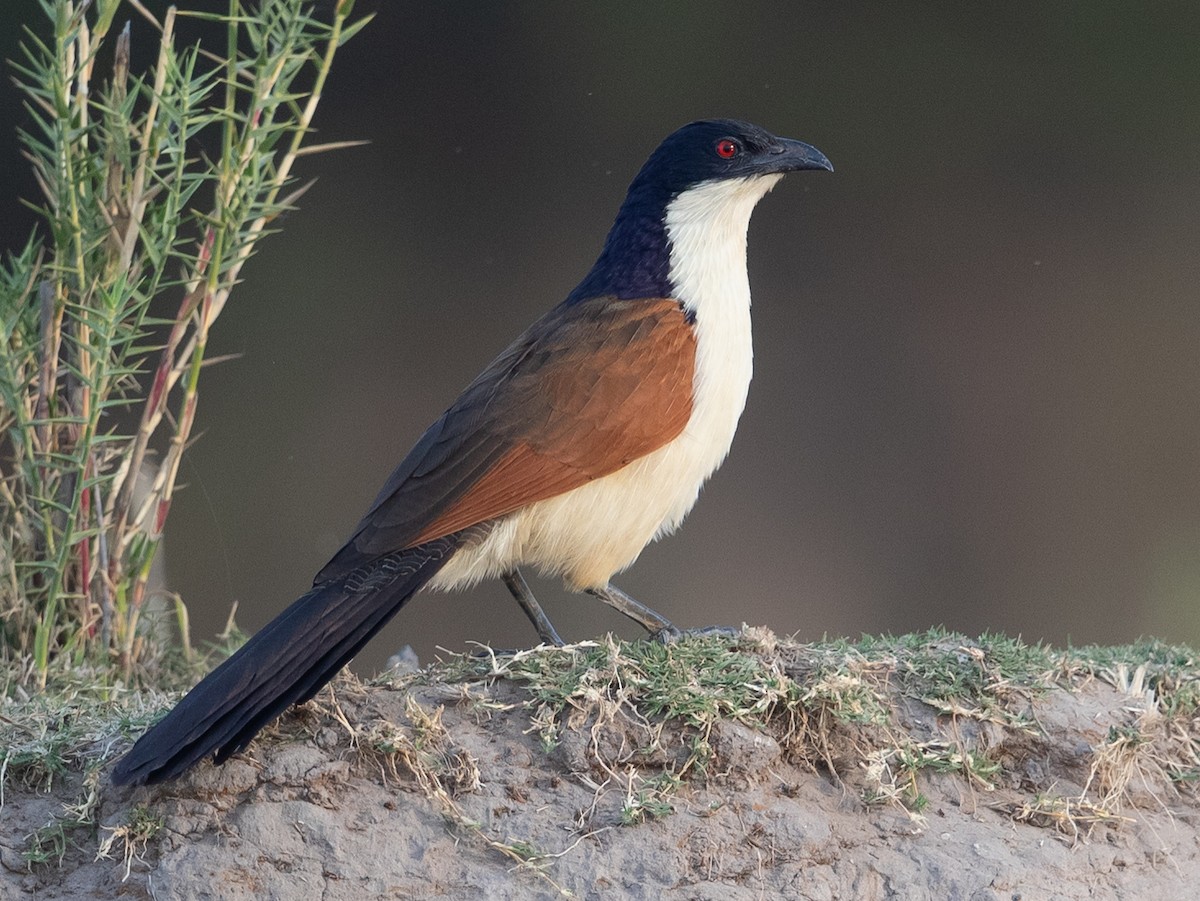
x: 726, y: 149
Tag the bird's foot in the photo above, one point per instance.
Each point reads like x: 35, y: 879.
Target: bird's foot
x: 672, y: 634
x: 666, y: 635
x: 485, y: 653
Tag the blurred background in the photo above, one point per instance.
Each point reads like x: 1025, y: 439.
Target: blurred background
x: 977, y: 382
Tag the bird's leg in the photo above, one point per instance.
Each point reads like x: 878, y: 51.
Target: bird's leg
x: 520, y: 590
x: 659, y: 627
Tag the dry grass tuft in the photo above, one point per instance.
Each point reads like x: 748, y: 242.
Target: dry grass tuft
x: 1073, y: 818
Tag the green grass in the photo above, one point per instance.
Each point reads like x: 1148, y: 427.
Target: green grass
x: 699, y: 680
x: 830, y: 705
x: 1172, y: 672
x: 805, y: 694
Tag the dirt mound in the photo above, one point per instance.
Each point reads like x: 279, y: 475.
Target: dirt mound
x: 932, y: 767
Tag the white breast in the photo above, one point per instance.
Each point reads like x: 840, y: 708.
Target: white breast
x: 598, y: 529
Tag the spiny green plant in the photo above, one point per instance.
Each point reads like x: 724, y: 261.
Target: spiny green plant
x: 156, y: 189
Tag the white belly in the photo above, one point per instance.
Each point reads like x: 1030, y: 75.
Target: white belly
x: 588, y: 534
x: 598, y: 529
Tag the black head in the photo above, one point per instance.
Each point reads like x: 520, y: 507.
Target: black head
x: 717, y: 149
x: 636, y: 257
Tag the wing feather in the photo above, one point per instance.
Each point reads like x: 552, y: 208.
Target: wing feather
x: 586, y: 390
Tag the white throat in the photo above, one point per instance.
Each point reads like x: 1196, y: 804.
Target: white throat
x: 706, y: 226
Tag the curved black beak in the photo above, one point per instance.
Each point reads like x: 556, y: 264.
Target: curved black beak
x: 786, y: 155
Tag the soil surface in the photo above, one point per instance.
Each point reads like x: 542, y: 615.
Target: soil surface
x: 451, y: 789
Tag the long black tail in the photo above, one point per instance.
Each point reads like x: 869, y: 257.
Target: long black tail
x: 285, y: 663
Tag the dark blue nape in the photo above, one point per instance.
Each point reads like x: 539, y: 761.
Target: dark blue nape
x: 636, y: 258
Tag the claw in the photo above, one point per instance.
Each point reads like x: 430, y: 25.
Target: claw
x: 671, y: 634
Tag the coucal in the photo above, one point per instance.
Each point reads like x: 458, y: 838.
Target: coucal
x: 585, y: 440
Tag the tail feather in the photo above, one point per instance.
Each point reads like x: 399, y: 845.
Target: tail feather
x: 286, y: 662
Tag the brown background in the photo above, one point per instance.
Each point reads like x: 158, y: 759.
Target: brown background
x: 977, y: 344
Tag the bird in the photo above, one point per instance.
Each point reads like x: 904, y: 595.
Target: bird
x: 587, y: 438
